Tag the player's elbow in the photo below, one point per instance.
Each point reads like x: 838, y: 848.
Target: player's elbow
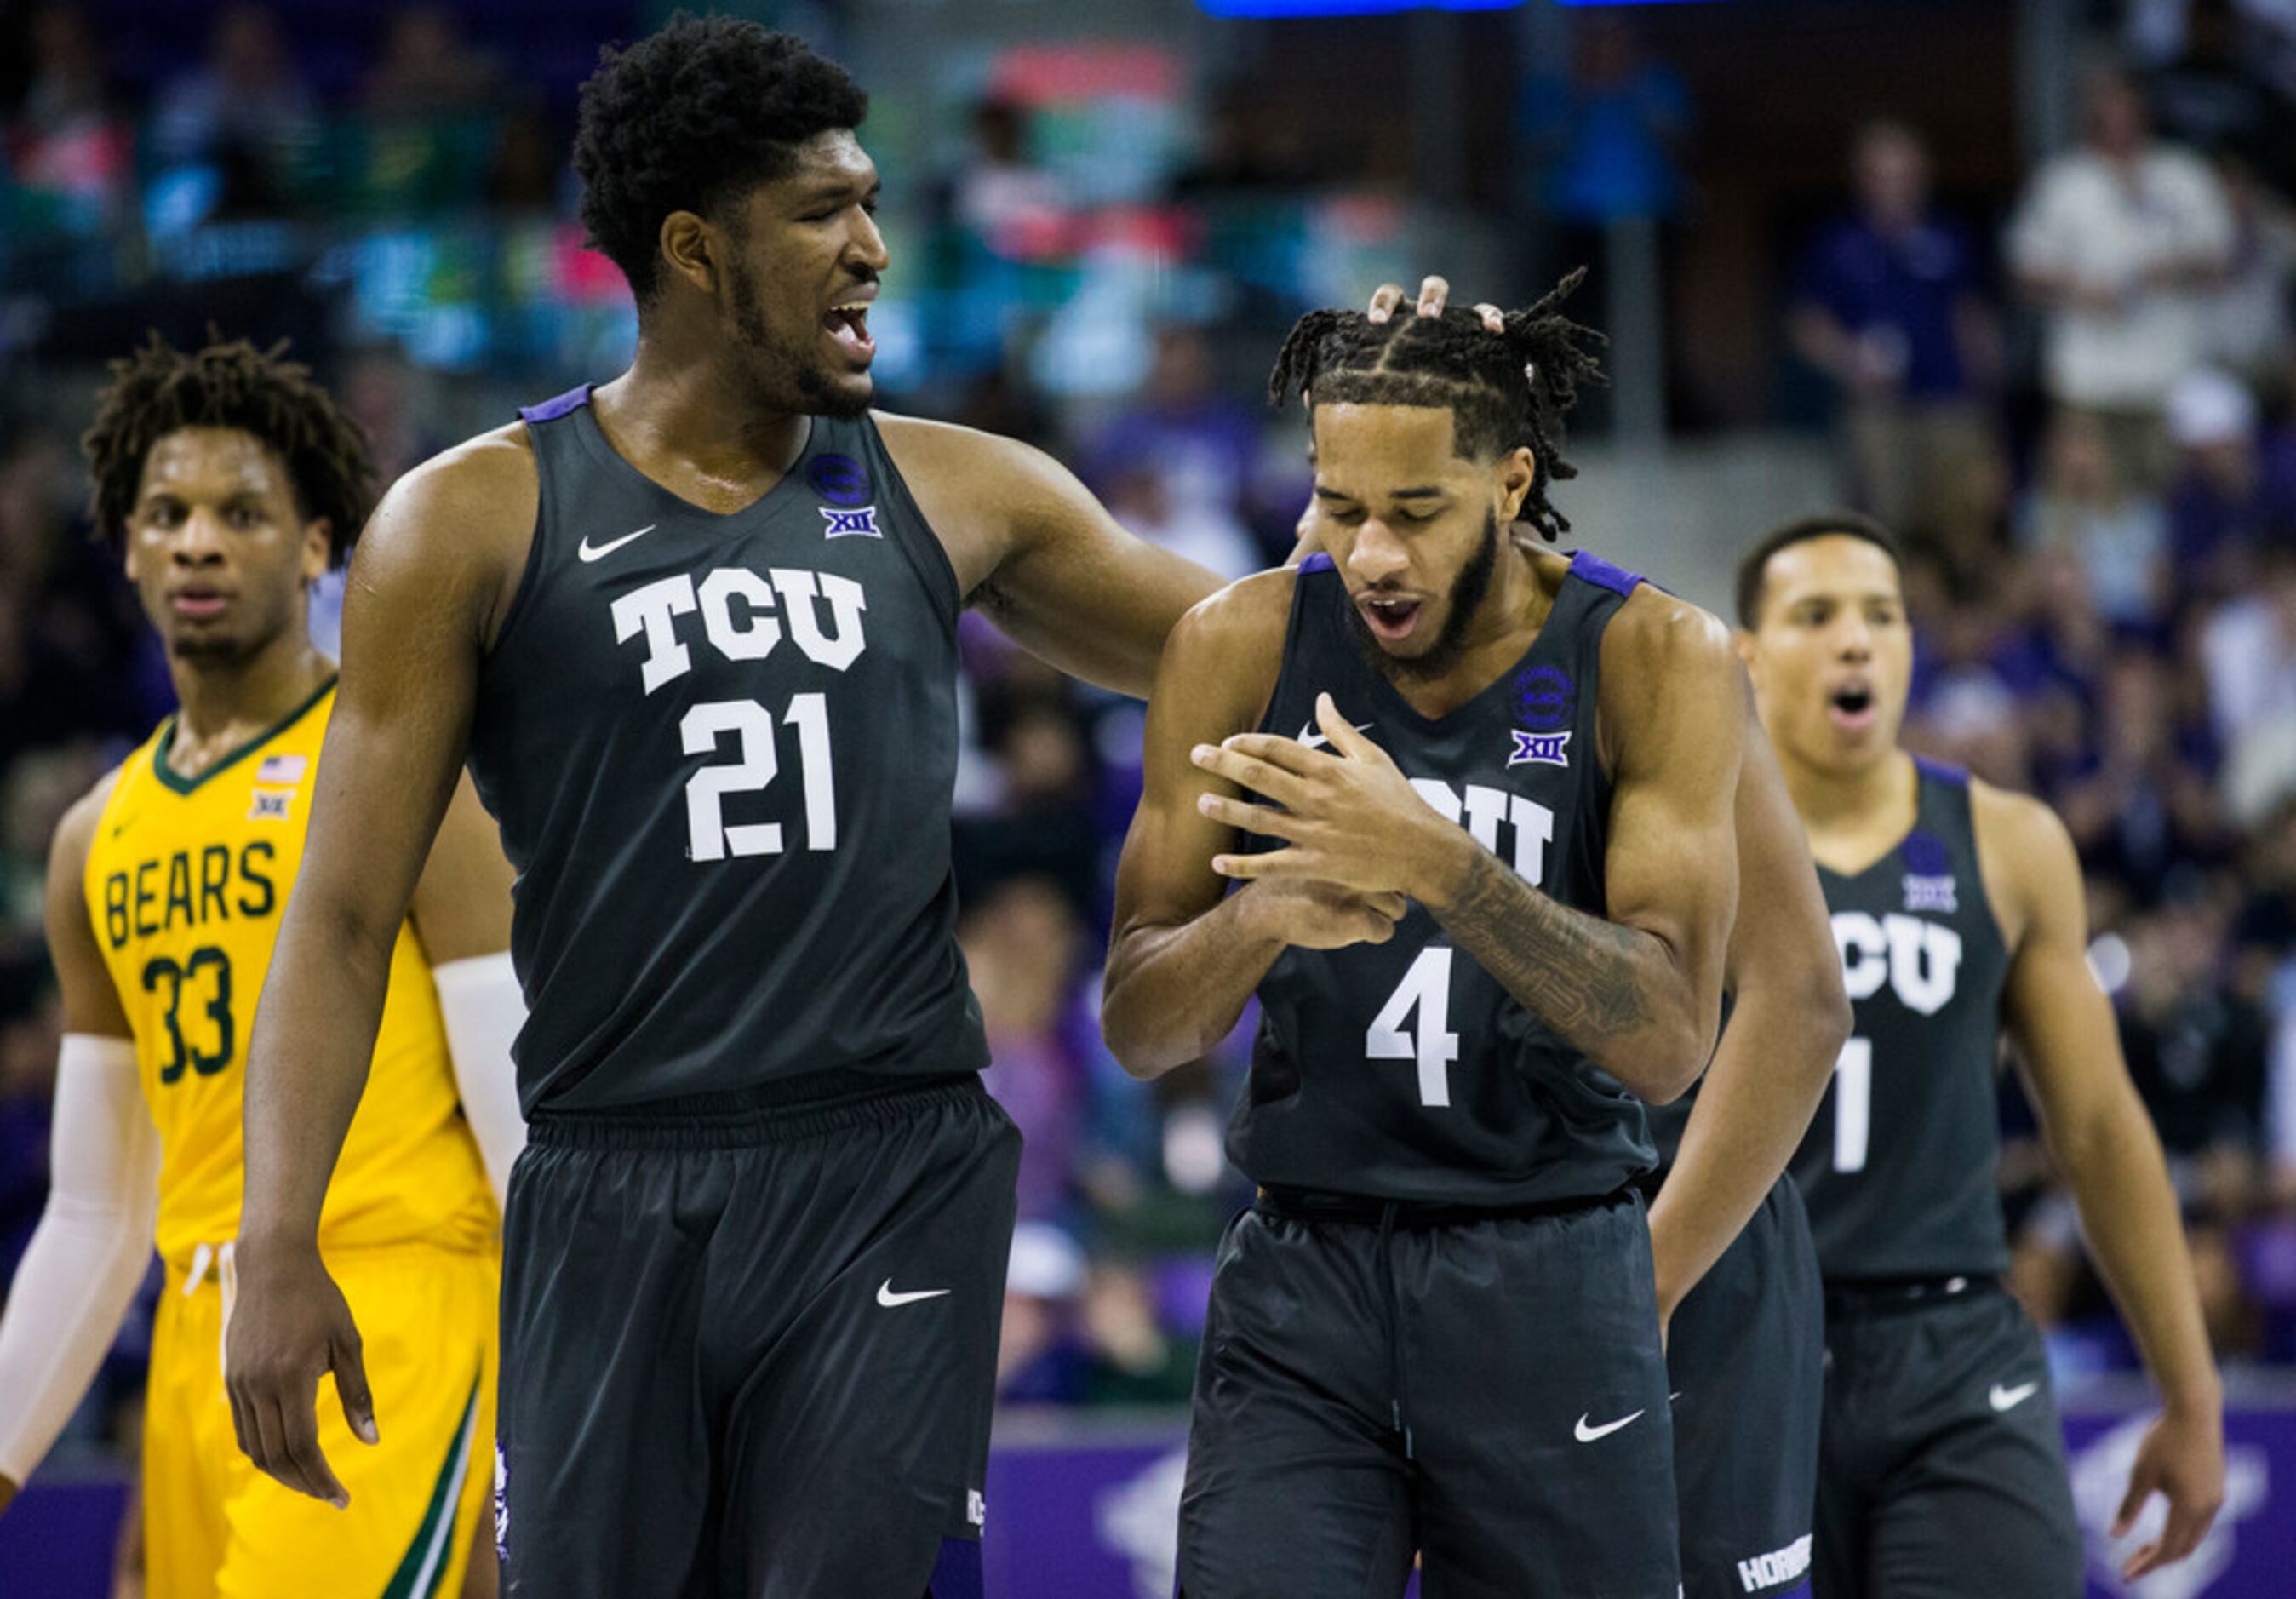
x: 1141, y: 1043
x: 1663, y: 1069
x: 1826, y: 1019
x: 1144, y: 1046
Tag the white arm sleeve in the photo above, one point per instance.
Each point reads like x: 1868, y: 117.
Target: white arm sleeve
x: 89, y: 1251
x: 479, y: 1000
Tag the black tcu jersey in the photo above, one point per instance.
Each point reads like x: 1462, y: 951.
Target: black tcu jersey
x: 1403, y: 1070
x: 721, y: 748
x: 1898, y: 1167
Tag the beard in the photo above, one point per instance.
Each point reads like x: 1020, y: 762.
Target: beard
x: 790, y: 381
x: 1469, y: 589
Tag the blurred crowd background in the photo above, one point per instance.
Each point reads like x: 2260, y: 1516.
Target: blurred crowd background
x: 2020, y: 278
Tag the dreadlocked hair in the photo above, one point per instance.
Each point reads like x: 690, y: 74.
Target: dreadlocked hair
x: 158, y: 390
x: 1504, y: 391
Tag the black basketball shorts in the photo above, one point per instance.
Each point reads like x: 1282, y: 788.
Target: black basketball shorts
x: 1746, y: 1353
x: 1941, y: 1457
x: 1488, y: 1393
x: 755, y: 1355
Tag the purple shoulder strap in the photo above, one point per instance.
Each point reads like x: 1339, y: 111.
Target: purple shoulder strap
x: 551, y: 410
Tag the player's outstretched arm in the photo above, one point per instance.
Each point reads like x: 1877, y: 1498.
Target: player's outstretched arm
x: 1788, y: 1018
x: 436, y: 565
x: 95, y: 1238
x: 1041, y: 557
x: 1638, y: 990
x: 1185, y: 955
x: 461, y: 915
x: 2103, y: 1140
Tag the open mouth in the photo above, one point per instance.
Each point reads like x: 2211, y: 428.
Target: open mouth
x: 848, y: 326
x: 1390, y: 619
x: 1851, y: 707
x: 198, y: 604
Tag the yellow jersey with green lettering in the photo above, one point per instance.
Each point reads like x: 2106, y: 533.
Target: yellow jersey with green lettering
x: 186, y: 880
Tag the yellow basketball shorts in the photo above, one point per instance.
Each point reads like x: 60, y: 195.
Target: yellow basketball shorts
x: 216, y: 1527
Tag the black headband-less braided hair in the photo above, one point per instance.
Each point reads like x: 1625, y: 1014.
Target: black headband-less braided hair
x: 158, y: 390
x: 1505, y: 390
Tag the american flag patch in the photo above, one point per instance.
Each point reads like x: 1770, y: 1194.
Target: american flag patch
x: 282, y: 768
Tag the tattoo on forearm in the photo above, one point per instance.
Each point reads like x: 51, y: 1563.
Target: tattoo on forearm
x: 1581, y: 975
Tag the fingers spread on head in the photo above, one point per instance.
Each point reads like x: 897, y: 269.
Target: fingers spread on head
x: 1385, y: 299
x: 1434, y: 294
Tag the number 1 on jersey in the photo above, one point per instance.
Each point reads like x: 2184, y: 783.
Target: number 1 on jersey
x: 1426, y: 988
x: 1853, y: 1104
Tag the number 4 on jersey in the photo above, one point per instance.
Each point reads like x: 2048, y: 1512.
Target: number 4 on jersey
x: 1426, y: 988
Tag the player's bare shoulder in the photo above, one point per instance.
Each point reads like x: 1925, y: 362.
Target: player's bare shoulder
x: 1248, y: 615
x: 1667, y: 665
x: 2032, y: 870
x: 460, y: 525
x: 977, y: 491
x: 68, y: 848
x: 1657, y: 631
x: 1221, y: 661
x: 1228, y: 646
x: 935, y: 450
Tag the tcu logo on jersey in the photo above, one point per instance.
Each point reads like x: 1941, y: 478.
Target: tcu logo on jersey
x: 743, y: 617
x: 1486, y: 812
x: 1920, y: 960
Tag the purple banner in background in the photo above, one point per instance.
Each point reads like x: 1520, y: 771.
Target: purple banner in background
x: 2250, y: 1552
x: 1086, y: 1508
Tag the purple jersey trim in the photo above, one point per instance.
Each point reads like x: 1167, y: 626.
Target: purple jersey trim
x: 551, y: 410
x: 1600, y: 572
x: 1316, y: 562
x: 1939, y: 771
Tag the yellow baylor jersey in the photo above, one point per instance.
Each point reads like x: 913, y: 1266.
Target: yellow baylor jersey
x: 186, y: 880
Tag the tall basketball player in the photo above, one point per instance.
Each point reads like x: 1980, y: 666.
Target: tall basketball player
x: 230, y: 481
x: 694, y: 632
x: 1959, y: 915
x: 1486, y: 907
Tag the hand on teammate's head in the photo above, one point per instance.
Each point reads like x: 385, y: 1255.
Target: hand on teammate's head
x: 1434, y: 294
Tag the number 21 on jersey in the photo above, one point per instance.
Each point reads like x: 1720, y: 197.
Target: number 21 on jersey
x: 709, y: 837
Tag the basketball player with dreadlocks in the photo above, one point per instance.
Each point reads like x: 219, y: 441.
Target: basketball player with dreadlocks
x: 1487, y: 908
x: 229, y: 481
x: 1737, y: 1275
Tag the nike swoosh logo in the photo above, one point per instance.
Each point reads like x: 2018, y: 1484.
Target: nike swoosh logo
x: 594, y: 552
x: 2009, y: 1398
x: 888, y: 1298
x: 1314, y: 740
x: 1588, y: 1435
